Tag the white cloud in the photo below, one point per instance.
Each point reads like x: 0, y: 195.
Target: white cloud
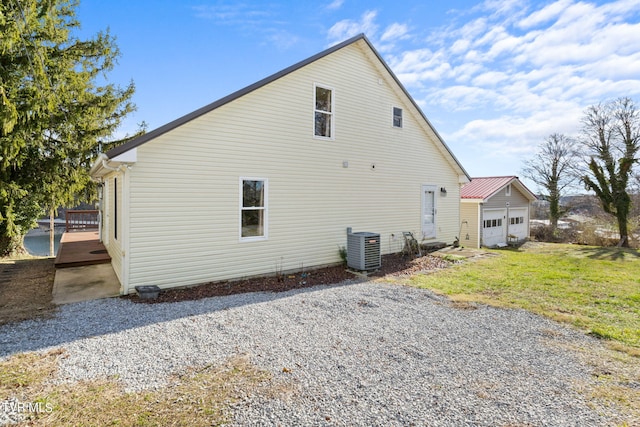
x: 490, y: 78
x: 282, y: 39
x: 335, y: 4
x: 346, y: 28
x: 545, y: 14
x: 394, y: 31
x: 502, y: 76
x: 260, y: 20
x: 459, y: 46
x: 515, y: 136
x: 420, y: 66
x: 234, y: 14
x: 511, y: 80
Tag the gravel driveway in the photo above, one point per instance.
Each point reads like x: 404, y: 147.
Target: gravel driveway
x: 356, y: 354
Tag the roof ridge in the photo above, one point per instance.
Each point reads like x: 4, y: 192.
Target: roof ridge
x: 493, y: 177
x: 142, y: 139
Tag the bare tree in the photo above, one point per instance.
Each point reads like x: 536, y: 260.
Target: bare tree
x: 611, y: 135
x: 552, y: 168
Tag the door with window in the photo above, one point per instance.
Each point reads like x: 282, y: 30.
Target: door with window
x: 518, y: 222
x: 494, y: 230
x: 429, y: 211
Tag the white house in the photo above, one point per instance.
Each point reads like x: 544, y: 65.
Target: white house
x: 271, y: 176
x: 494, y: 210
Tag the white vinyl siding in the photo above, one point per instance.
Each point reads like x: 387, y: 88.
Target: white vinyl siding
x: 111, y: 227
x: 515, y: 199
x: 184, y: 197
x: 469, y: 224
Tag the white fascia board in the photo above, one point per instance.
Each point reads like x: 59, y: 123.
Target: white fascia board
x: 104, y: 165
x: 130, y: 156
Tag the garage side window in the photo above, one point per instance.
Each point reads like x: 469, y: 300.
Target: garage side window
x: 488, y: 223
x: 253, y: 209
x: 517, y: 220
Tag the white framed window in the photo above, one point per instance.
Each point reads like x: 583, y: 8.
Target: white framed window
x: 397, y: 117
x: 490, y: 223
x: 517, y: 220
x: 508, y: 190
x: 253, y: 208
x: 323, y: 109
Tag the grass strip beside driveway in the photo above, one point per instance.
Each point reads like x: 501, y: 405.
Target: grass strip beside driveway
x: 595, y: 289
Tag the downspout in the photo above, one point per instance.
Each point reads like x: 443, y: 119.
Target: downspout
x: 100, y: 207
x: 508, y: 219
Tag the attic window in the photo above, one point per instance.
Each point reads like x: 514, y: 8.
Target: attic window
x: 508, y: 190
x: 323, y: 112
x: 397, y: 117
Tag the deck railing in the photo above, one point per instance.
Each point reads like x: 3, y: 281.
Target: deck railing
x: 81, y: 220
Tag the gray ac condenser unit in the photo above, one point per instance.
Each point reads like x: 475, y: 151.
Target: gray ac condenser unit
x: 363, y: 250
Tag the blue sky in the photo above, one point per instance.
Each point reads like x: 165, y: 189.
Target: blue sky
x: 494, y: 77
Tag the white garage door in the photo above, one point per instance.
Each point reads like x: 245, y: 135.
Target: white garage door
x: 494, y: 230
x: 518, y: 221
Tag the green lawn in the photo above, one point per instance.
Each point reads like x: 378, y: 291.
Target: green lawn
x: 595, y: 289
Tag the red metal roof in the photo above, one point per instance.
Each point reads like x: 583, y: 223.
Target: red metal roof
x: 485, y: 187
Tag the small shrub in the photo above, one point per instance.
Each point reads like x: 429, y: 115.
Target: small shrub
x: 342, y: 251
x: 592, y: 234
x: 545, y: 233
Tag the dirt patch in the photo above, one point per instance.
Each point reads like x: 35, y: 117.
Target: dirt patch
x: 26, y: 289
x: 392, y: 265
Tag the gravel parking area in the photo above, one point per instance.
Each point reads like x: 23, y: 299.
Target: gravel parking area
x: 357, y: 354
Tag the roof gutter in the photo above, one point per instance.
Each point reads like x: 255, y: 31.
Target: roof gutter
x: 104, y: 165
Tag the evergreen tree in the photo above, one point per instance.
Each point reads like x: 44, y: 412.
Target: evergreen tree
x: 53, y: 111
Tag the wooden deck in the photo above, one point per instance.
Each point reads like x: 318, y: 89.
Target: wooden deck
x: 78, y: 248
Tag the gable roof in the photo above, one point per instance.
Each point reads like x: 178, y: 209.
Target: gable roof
x: 136, y: 142
x: 484, y: 188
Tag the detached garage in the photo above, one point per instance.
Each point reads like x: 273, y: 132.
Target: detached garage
x: 494, y: 211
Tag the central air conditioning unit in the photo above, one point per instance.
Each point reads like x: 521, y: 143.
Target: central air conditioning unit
x: 363, y: 251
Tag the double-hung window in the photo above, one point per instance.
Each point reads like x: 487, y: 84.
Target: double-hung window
x: 253, y: 209
x: 397, y: 117
x: 323, y: 112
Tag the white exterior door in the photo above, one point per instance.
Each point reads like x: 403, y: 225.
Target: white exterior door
x: 429, y: 210
x: 494, y: 227
x: 518, y: 222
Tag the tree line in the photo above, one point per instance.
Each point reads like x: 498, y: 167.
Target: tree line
x: 601, y: 158
x: 56, y: 108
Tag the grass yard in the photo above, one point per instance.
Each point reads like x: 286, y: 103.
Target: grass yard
x: 595, y: 289
x: 197, y: 398
x: 592, y: 288
x: 26, y: 284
